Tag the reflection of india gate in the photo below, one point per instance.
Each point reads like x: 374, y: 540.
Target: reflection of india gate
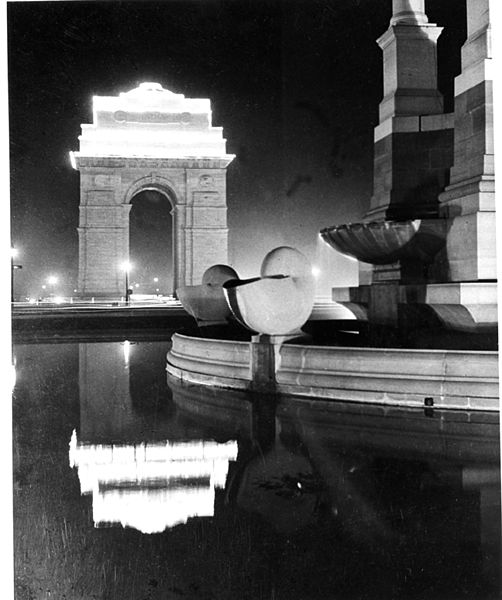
x: 150, y: 139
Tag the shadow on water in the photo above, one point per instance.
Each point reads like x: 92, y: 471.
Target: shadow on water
x: 129, y: 485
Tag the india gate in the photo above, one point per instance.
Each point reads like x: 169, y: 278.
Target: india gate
x: 150, y: 139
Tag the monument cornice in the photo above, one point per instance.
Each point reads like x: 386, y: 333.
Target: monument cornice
x: 150, y: 162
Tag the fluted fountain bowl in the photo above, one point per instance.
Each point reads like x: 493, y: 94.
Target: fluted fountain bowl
x: 386, y: 242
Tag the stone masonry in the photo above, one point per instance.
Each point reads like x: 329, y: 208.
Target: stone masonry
x: 150, y: 139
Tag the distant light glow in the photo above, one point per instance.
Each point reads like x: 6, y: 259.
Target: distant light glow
x: 126, y: 266
x: 43, y: 287
x: 155, y: 279
x: 32, y: 301
x: 73, y: 162
x: 316, y: 271
x: 14, y: 252
x: 52, y: 280
x: 58, y: 300
x: 136, y: 285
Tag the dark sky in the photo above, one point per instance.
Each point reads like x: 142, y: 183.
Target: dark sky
x: 294, y: 83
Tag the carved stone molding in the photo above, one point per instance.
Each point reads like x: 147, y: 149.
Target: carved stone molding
x: 117, y: 162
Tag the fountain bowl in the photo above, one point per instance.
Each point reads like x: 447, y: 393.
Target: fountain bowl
x: 386, y: 242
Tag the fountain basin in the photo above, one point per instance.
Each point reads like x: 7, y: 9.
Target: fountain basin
x: 453, y: 379
x: 386, y: 242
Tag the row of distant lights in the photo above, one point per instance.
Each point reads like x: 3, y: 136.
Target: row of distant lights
x: 53, y: 280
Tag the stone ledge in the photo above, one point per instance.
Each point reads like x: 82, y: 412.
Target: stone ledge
x: 462, y: 293
x: 396, y: 377
x: 413, y: 124
x: 437, y: 122
x: 477, y: 73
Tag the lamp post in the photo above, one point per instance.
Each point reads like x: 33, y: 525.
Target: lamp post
x: 127, y: 267
x: 13, y: 267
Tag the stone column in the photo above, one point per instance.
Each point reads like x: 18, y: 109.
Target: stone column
x: 469, y: 200
x: 412, y: 139
x: 103, y: 246
x: 179, y: 244
x: 409, y: 56
x: 206, y: 230
x: 408, y: 12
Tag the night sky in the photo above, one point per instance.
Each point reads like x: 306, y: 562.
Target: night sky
x: 294, y: 83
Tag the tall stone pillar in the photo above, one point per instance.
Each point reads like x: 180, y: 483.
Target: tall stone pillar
x: 408, y: 12
x: 410, y: 63
x: 413, y: 139
x: 103, y: 237
x: 469, y: 200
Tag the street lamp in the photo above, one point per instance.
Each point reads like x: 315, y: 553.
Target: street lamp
x: 127, y: 267
x: 13, y: 267
x: 51, y: 281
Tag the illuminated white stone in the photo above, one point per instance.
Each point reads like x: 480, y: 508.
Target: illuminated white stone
x: 151, y: 121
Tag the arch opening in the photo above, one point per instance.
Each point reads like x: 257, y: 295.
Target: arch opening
x: 151, y: 244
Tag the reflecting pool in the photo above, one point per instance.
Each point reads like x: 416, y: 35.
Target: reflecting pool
x: 128, y: 485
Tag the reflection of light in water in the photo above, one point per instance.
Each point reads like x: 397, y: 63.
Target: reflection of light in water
x: 151, y: 486
x: 127, y: 350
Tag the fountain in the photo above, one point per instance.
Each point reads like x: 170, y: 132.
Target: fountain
x: 430, y: 229
x: 425, y: 328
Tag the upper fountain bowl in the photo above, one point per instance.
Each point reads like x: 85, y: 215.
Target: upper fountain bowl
x: 386, y: 242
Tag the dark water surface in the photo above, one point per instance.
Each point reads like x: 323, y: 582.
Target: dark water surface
x: 130, y: 486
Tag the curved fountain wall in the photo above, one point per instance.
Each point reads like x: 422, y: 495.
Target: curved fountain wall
x: 395, y: 377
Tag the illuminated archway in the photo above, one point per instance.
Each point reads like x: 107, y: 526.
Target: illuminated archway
x: 150, y: 138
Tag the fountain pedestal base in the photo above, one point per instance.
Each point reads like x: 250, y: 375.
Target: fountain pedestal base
x: 457, y: 307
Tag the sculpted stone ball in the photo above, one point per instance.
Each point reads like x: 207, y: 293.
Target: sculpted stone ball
x: 218, y: 274
x: 286, y: 261
x: 281, y: 300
